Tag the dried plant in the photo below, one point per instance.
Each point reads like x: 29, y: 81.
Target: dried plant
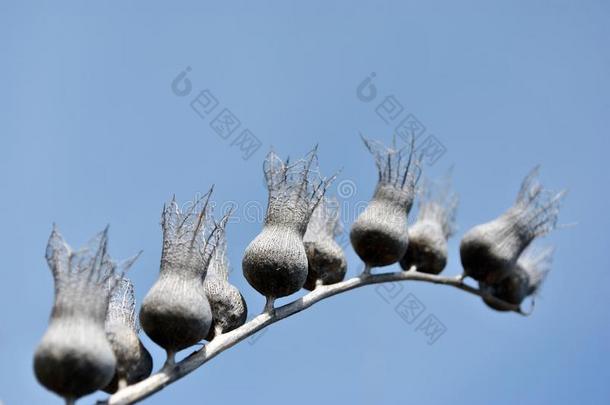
x: 427, y: 248
x: 275, y: 262
x: 490, y: 250
x: 192, y: 299
x: 133, y: 362
x: 522, y: 281
x: 229, y: 309
x: 325, y: 258
x: 176, y: 313
x: 74, y: 358
x: 380, y: 235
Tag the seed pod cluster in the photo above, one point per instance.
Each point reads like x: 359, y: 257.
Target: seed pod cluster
x: 427, y: 249
x: 74, y: 357
x: 275, y: 262
x: 229, y: 309
x: 326, y: 260
x: 134, y: 362
x: 380, y: 235
x: 176, y: 313
x: 522, y: 281
x: 490, y: 250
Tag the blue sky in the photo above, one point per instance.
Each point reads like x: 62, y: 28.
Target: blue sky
x: 92, y: 134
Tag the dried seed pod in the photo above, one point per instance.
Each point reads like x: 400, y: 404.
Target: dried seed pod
x: 379, y: 235
x: 326, y: 260
x: 134, y: 362
x: 74, y: 357
x: 176, y: 313
x: 489, y: 250
x: 275, y: 263
x: 427, y: 249
x: 229, y: 309
x: 522, y: 281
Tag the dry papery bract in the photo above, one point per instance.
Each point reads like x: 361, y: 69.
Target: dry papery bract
x: 229, y: 309
x: 190, y: 236
x: 524, y: 280
x: 326, y: 259
x: 295, y: 189
x: 489, y: 250
x: 275, y: 262
x: 435, y: 224
x: 74, y: 358
x: 134, y: 362
x: 176, y: 313
x: 379, y: 235
x: 122, y: 305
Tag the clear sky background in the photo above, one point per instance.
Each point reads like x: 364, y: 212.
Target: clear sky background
x: 92, y: 134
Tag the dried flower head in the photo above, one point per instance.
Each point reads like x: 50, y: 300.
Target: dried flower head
x: 275, y: 263
x: 427, y: 249
x: 134, y: 362
x: 524, y: 280
x: 438, y: 203
x: 190, y: 236
x: 176, y: 313
x: 397, y: 166
x: 491, y: 249
x: 379, y: 235
x: 295, y: 189
x: 326, y: 260
x: 229, y: 309
x: 74, y: 358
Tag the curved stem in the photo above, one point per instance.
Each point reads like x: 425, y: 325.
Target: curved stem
x: 170, y: 373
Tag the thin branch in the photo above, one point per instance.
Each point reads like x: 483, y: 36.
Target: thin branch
x: 172, y: 372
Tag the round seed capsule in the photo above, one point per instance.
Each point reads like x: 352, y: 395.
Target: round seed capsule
x: 380, y: 235
x: 427, y: 249
x: 176, y: 313
x: 134, y: 362
x: 74, y: 358
x: 275, y: 262
x: 490, y: 250
x: 326, y: 260
x: 522, y: 281
x: 229, y: 309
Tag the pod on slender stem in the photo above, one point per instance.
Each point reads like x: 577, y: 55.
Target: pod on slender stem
x: 74, y: 358
x: 176, y: 313
x: 427, y: 249
x: 380, y: 235
x: 275, y: 262
x: 134, y: 362
x: 229, y: 309
x: 326, y: 260
x: 490, y: 250
x: 524, y: 280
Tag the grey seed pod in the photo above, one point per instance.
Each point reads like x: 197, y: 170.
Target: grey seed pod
x: 74, y: 357
x: 176, y: 313
x: 379, y: 235
x: 523, y: 281
x: 427, y: 249
x: 134, y: 362
x: 275, y: 263
x: 326, y: 260
x: 489, y: 250
x: 229, y: 309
